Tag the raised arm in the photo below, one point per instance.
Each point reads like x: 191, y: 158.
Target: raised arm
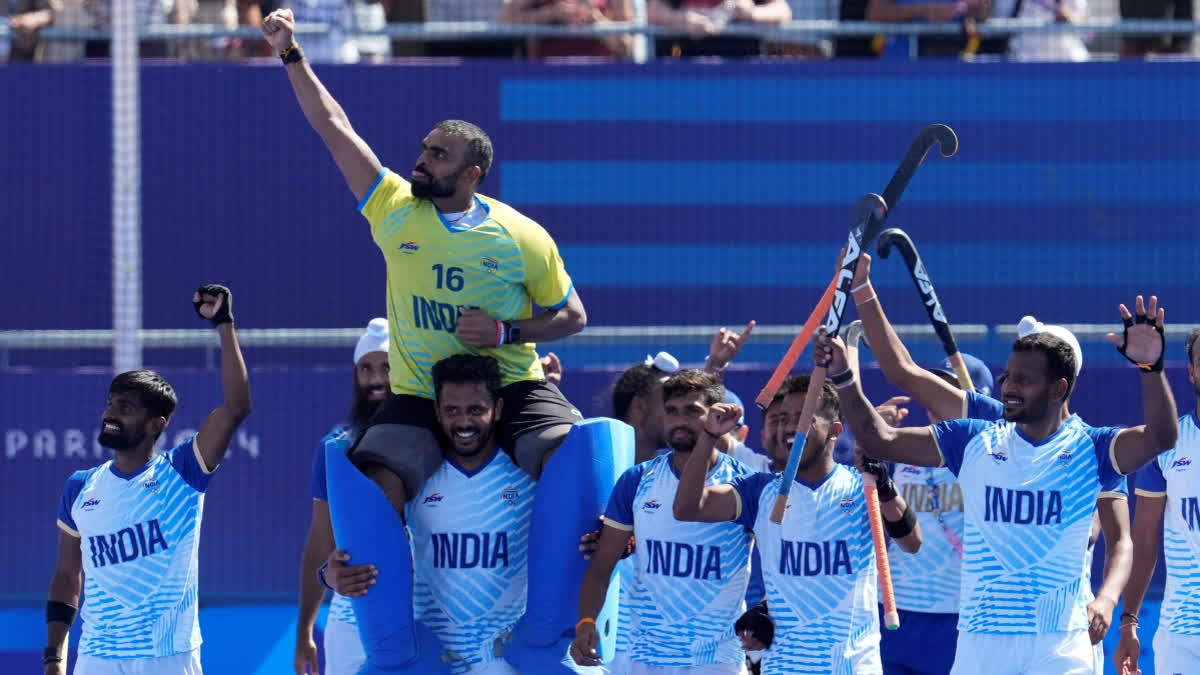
x: 65, y: 588
x: 694, y: 501
x: 353, y: 157
x: 939, y: 397
x: 1143, y: 343
x: 215, y: 303
x: 909, y: 445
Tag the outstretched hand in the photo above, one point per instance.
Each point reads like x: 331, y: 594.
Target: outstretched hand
x: 1143, y: 341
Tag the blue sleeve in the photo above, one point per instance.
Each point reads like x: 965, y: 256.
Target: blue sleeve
x: 1111, y: 480
x: 187, y: 463
x: 620, y: 504
x: 749, y: 490
x: 980, y: 407
x: 1150, y: 480
x: 317, y: 484
x: 952, y: 437
x: 756, y: 590
x: 69, y: 494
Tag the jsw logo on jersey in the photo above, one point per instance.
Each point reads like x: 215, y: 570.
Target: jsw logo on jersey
x: 652, y: 506
x: 999, y: 456
x: 1181, y: 463
x: 1022, y: 507
x: 467, y: 550
x: 911, y: 471
x: 677, y: 559
x: 409, y: 247
x: 433, y: 499
x: 127, y: 544
x: 815, y: 558
x: 90, y: 504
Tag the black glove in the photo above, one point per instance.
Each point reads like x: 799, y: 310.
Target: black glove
x: 883, y: 479
x: 224, y: 313
x: 759, y: 623
x: 1155, y: 367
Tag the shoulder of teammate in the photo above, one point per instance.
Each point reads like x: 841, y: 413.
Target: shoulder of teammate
x: 544, y: 272
x: 619, y: 513
x: 982, y: 407
x: 388, y: 193
x: 70, y: 493
x: 188, y: 463
x: 749, y: 489
x: 952, y: 437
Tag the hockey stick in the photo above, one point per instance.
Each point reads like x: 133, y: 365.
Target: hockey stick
x: 921, y: 145
x: 869, y: 209
x: 891, y: 618
x: 895, y: 237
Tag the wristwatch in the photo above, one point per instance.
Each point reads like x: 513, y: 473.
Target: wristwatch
x: 512, y: 333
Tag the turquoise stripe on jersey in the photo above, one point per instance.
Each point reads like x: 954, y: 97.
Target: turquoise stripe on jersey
x: 1180, y: 468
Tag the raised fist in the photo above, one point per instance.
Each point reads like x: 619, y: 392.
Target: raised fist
x: 279, y: 29
x: 215, y: 303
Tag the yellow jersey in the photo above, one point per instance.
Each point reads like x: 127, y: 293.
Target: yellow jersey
x: 503, y: 266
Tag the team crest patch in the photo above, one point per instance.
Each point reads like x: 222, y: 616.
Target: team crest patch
x: 847, y: 503
x: 1181, y: 463
x: 999, y: 456
x: 652, y: 506
x: 151, y: 485
x: 433, y: 499
x: 510, y: 496
x: 489, y: 264
x: 90, y: 504
x: 1064, y: 459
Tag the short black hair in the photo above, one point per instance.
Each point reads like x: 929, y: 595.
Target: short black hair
x: 1190, y: 343
x: 828, y: 403
x: 479, y: 145
x: 637, y: 381
x: 1059, y: 356
x: 466, y: 369
x: 153, y: 392
x: 691, y: 380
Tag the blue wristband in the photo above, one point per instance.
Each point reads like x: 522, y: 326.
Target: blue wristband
x: 321, y: 576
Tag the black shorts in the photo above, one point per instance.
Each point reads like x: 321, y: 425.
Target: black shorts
x: 529, y: 406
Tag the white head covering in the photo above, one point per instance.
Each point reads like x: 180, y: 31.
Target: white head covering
x: 1030, y: 325
x: 374, y: 340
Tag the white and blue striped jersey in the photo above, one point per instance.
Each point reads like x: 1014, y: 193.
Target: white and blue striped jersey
x: 470, y: 539
x: 929, y: 580
x: 819, y: 570
x: 340, y: 607
x: 1175, y: 475
x: 139, y: 535
x: 689, y: 582
x: 1028, y: 510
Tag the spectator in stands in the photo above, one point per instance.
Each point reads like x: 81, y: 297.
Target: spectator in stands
x: 148, y: 14
x: 337, y: 46
x: 26, y: 19
x: 931, y: 11
x: 470, y: 10
x: 1045, y: 46
x: 1141, y: 45
x: 704, y: 20
x: 572, y: 13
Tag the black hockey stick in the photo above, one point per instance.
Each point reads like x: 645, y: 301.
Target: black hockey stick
x: 920, y: 276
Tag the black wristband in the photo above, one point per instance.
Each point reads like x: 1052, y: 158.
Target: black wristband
x: 321, y: 576
x: 291, y: 55
x: 842, y: 377
x: 61, y: 612
x: 886, y: 490
x: 1133, y: 618
x: 52, y: 655
x: 903, y: 527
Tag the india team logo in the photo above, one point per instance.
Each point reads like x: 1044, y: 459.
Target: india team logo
x: 433, y: 499
x: 90, y: 504
x: 1181, y: 463
x: 846, y: 503
x: 151, y: 485
x: 510, y: 496
x: 489, y: 264
x: 999, y: 456
x: 1064, y: 459
x: 652, y: 506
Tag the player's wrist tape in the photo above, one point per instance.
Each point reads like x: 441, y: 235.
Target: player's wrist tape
x: 841, y: 378
x: 903, y: 527
x: 885, y: 489
x: 321, y: 576
x: 586, y: 619
x: 54, y: 654
x: 291, y: 55
x: 61, y: 612
x: 1131, y: 617
x: 863, y: 293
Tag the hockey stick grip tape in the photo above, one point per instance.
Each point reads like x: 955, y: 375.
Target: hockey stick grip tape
x: 811, y: 398
x: 891, y: 618
x: 960, y: 369
x: 798, y: 346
